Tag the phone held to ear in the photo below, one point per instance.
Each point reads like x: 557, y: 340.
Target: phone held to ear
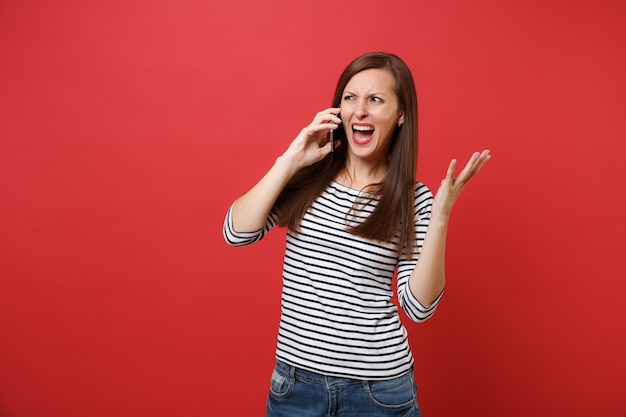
x: 332, y: 141
x: 331, y: 136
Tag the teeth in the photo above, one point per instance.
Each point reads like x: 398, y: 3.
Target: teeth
x: 363, y: 128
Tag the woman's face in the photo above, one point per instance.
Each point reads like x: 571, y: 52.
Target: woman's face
x: 370, y: 113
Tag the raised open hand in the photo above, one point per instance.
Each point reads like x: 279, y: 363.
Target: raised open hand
x: 451, y: 187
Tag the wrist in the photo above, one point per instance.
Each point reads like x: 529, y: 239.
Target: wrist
x: 287, y: 164
x: 439, y: 220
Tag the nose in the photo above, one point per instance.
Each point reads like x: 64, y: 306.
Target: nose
x: 360, y: 110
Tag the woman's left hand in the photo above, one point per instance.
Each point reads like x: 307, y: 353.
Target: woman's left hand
x: 451, y: 187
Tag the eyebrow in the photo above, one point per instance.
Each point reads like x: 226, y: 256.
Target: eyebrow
x: 369, y: 95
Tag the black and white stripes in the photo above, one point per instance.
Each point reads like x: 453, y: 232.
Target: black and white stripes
x: 337, y: 317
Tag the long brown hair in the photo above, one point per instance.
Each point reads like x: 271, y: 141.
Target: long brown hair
x: 394, y: 213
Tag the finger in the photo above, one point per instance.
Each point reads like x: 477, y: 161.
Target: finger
x: 450, y: 172
x: 327, y: 148
x: 335, y: 111
x: 465, y: 175
x: 476, y: 161
x: 328, y: 115
x: 482, y: 158
x: 315, y: 129
x: 484, y: 155
x: 466, y: 169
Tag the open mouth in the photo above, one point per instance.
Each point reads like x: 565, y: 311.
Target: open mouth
x: 362, y: 134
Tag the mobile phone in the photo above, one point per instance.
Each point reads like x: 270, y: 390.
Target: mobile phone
x: 331, y: 135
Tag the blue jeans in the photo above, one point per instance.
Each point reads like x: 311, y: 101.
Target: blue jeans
x: 298, y: 393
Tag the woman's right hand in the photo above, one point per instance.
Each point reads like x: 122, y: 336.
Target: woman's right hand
x: 312, y: 145
x: 250, y: 211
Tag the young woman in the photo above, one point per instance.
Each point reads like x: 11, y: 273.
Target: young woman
x: 345, y: 188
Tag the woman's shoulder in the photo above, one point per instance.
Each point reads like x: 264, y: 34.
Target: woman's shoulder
x: 423, y: 198
x: 422, y: 191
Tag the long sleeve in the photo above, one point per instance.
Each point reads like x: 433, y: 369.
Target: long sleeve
x: 411, y: 305
x: 235, y: 238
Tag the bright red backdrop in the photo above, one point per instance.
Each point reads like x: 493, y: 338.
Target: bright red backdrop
x: 128, y: 127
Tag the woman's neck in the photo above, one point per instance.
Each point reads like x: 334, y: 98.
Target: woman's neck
x: 359, y: 175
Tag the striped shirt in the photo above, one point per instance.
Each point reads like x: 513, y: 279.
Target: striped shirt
x: 337, y: 317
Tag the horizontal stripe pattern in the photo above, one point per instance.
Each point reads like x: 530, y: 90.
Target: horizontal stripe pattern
x: 337, y: 317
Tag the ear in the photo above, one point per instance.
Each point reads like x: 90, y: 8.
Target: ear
x: 401, y: 119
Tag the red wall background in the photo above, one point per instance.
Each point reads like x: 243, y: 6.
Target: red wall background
x: 128, y: 127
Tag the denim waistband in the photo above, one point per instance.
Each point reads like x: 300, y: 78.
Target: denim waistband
x: 310, y: 376
x: 315, y: 377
